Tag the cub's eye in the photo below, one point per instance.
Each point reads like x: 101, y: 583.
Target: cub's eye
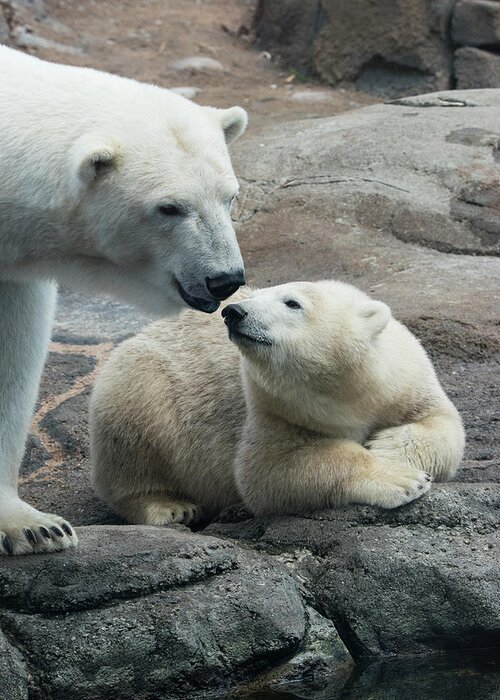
x: 169, y: 210
x: 292, y: 304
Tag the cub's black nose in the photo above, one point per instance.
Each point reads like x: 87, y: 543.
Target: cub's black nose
x: 233, y: 314
x: 223, y: 286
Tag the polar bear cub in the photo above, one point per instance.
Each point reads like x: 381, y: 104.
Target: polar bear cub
x: 322, y: 398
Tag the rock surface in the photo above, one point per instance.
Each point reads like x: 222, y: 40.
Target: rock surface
x: 475, y: 68
x: 388, y: 48
x: 476, y: 23
x: 401, y: 199
x: 145, y: 612
x: 417, y: 580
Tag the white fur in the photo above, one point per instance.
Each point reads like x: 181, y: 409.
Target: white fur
x: 337, y: 402
x: 86, y: 160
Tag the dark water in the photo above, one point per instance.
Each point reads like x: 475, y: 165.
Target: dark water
x: 453, y: 677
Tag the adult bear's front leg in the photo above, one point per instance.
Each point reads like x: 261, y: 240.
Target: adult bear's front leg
x: 26, y: 311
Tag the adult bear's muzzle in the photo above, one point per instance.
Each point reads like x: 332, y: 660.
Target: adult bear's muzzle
x: 224, y: 286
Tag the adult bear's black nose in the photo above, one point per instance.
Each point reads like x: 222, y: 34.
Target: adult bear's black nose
x: 223, y: 286
x: 233, y: 314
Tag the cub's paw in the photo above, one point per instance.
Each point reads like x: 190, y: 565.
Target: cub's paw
x: 390, y: 444
x: 167, y: 512
x: 392, y: 487
x: 25, y: 530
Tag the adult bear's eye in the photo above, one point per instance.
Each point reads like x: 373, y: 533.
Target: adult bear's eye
x: 170, y: 210
x: 292, y: 304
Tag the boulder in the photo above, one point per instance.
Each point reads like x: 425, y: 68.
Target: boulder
x: 476, y: 68
x: 387, y: 48
x: 144, y: 612
x: 4, y: 29
x: 14, y: 678
x: 418, y: 580
x: 476, y: 23
x: 400, y: 199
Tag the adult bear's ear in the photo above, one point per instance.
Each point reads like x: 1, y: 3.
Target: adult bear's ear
x: 92, y: 155
x: 233, y: 121
x: 375, y: 316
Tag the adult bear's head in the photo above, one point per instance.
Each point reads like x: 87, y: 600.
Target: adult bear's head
x: 154, y: 186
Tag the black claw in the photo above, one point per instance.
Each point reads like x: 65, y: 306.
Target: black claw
x: 7, y: 545
x: 67, y: 529
x: 45, y: 532
x: 57, y: 530
x: 30, y: 535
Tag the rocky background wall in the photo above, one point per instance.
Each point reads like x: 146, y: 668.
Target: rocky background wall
x: 387, y: 47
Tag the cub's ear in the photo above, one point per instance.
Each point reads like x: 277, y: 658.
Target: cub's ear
x: 233, y: 122
x: 91, y: 156
x: 375, y: 316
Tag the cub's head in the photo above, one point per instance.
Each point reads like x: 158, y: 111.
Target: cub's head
x: 311, y: 331
x: 154, y: 187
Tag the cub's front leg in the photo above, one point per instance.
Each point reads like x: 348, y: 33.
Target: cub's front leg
x: 280, y: 468
x: 26, y: 311
x: 435, y: 444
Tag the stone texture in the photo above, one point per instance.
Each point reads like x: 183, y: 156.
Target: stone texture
x: 197, y: 63
x: 387, y: 48
x: 147, y: 612
x: 86, y: 320
x: 14, y: 679
x: 289, y: 28
x: 4, y: 29
x: 475, y: 68
x: 476, y: 23
x: 323, y: 655
x: 400, y: 199
x: 67, y: 424
x: 421, y: 579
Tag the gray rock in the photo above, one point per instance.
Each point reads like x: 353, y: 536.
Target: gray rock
x: 289, y: 29
x: 186, y: 91
x: 400, y: 199
x: 387, y: 48
x: 4, y: 29
x: 25, y: 38
x: 312, y: 96
x: 35, y: 455
x: 148, y: 612
x: 475, y: 68
x: 476, y: 23
x: 322, y: 657
x: 67, y: 424
x: 87, y: 320
x: 420, y: 579
x: 197, y: 63
x: 14, y: 679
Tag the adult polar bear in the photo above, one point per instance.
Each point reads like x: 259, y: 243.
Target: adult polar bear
x: 106, y: 184
x: 337, y: 403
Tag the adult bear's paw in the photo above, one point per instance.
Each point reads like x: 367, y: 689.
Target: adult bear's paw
x: 25, y: 530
